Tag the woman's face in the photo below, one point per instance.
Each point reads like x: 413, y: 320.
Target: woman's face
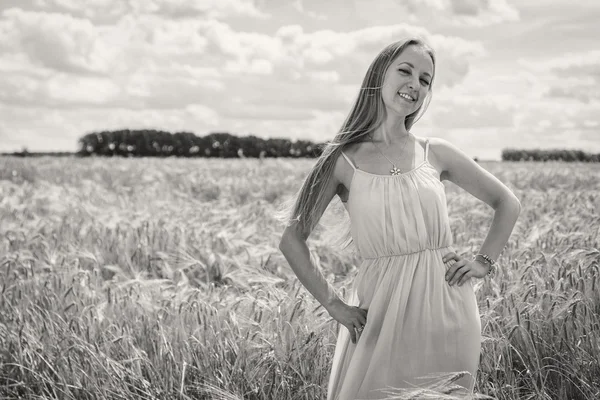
x: 407, y: 81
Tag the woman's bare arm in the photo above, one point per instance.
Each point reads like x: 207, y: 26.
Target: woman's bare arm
x: 466, y: 173
x: 294, y: 248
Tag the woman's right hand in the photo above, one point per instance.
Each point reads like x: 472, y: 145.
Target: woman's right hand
x: 351, y: 317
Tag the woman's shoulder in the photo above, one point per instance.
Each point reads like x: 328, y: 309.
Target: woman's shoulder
x: 437, y: 145
x: 433, y: 140
x: 438, y: 151
x: 349, y: 150
x: 444, y: 154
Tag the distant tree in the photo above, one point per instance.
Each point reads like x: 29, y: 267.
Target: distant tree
x: 548, y: 155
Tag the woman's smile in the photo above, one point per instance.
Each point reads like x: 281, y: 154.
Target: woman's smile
x: 407, y: 97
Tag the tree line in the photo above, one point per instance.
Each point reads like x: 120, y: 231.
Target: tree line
x: 154, y: 143
x: 157, y: 143
x: 549, y: 155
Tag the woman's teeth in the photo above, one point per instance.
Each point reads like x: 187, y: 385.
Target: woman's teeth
x: 406, y: 96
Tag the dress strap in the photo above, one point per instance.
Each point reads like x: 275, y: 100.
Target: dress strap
x: 426, y: 148
x: 348, y: 159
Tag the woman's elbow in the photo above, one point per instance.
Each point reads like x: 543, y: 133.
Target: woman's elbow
x: 510, y: 201
x: 289, y: 236
x: 283, y: 242
x: 514, y: 203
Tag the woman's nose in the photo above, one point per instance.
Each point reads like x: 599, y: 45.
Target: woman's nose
x: 413, y: 83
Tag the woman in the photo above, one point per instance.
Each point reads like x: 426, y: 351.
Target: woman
x: 416, y: 291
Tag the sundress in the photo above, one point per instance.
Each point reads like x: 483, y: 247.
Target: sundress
x: 417, y: 324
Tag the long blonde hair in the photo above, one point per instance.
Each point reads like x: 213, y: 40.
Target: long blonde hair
x: 367, y: 114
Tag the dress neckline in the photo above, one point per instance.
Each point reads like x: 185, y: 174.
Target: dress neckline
x: 394, y: 176
x: 352, y: 182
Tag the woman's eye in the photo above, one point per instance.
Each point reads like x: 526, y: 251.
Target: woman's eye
x: 404, y: 71
x: 424, y: 82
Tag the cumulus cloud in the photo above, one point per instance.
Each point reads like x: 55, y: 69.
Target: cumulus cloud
x: 293, y: 53
x: 582, y: 90
x: 162, y: 86
x: 59, y: 60
x: 93, y: 9
x: 481, y: 13
x: 298, y: 5
x: 574, y: 75
x: 258, y: 66
x: 350, y: 53
x: 210, y: 9
x: 56, y: 41
x: 151, y: 67
x: 160, y: 63
x: 63, y: 89
x: 472, y: 13
x: 469, y: 111
x: 482, y: 99
x: 113, y: 9
x: 491, y: 111
x: 548, y: 117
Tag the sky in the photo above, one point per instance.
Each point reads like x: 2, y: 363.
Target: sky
x: 509, y: 74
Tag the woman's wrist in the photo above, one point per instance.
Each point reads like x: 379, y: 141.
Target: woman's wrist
x: 485, y: 260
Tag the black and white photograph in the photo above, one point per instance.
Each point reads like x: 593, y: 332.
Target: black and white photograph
x: 300, y: 199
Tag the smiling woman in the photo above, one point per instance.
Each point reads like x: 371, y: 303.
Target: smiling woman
x: 412, y: 310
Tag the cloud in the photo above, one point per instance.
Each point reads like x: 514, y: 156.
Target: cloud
x: 298, y: 5
x: 294, y: 53
x: 239, y: 109
x: 350, y: 53
x: 469, y: 111
x: 209, y: 9
x: 56, y: 41
x: 581, y: 91
x: 496, y: 108
x: 114, y: 9
x: 58, y: 60
x: 159, y: 63
x: 548, y: 123
x: 322, y: 70
x: 324, y: 76
x: 574, y: 75
x: 321, y: 126
x: 481, y: 13
x: 63, y: 89
x: 150, y: 70
x: 203, y: 113
x: 90, y: 9
x: 471, y: 13
x: 295, y: 95
x: 169, y: 85
x: 258, y: 66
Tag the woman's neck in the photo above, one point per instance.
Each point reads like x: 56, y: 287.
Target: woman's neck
x: 391, y: 132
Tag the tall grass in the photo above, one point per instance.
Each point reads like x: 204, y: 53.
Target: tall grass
x: 158, y: 279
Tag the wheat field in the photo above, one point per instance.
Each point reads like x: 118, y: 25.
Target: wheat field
x: 161, y: 279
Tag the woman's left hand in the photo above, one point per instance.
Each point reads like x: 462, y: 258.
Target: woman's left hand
x: 462, y: 269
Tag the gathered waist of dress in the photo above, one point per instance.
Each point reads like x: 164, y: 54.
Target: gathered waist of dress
x: 407, y: 253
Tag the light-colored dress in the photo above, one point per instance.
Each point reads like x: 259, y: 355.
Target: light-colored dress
x: 417, y: 324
